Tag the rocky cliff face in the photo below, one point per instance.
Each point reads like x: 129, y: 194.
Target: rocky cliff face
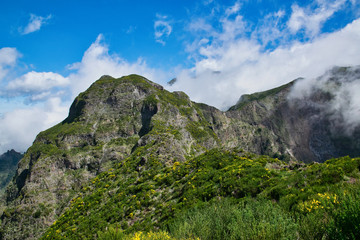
x: 309, y: 121
x: 131, y: 117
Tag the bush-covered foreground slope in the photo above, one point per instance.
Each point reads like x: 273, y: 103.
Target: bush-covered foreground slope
x: 218, y: 195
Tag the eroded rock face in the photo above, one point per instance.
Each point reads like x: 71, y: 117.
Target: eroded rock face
x: 308, y: 121
x: 114, y: 117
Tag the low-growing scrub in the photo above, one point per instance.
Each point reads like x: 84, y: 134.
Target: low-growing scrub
x: 220, y: 194
x: 223, y: 219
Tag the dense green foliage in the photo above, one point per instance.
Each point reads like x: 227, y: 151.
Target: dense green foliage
x: 117, y: 234
x: 144, y: 195
x: 225, y: 220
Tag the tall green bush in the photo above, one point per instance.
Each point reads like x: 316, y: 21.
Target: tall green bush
x: 226, y: 220
x: 346, y: 217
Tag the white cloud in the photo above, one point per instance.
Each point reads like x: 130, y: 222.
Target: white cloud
x: 8, y: 58
x: 235, y: 67
x: 162, y: 29
x: 200, y: 25
x: 232, y: 28
x: 35, y: 82
x: 208, y: 37
x: 270, y: 30
x: 19, y: 127
x: 203, y: 31
x: 233, y: 9
x: 35, y: 23
x: 97, y: 62
x: 311, y: 20
x: 207, y: 2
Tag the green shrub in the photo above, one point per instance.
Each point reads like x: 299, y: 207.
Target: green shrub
x: 142, y: 193
x: 149, y: 236
x: 313, y: 226
x: 111, y: 234
x: 115, y: 234
x: 262, y: 220
x: 346, y: 217
x: 226, y: 220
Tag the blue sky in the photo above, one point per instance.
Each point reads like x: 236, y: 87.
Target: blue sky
x: 50, y: 51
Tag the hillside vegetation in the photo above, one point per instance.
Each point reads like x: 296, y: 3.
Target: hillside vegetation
x: 218, y: 195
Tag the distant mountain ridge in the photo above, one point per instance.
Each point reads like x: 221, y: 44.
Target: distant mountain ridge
x: 8, y: 166
x: 132, y: 118
x: 311, y: 126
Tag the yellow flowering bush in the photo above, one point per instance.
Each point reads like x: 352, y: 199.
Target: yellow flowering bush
x: 151, y: 236
x: 111, y: 234
x: 321, y: 201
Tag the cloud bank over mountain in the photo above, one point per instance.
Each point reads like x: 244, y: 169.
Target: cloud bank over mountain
x: 233, y: 64
x: 342, y: 86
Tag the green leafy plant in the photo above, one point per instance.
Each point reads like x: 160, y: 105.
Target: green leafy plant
x: 229, y: 220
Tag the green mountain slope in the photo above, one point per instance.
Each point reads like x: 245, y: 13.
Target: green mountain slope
x: 149, y: 198
x: 143, y: 199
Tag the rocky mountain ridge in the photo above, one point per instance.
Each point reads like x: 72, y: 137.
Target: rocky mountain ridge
x: 132, y: 117
x: 8, y: 164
